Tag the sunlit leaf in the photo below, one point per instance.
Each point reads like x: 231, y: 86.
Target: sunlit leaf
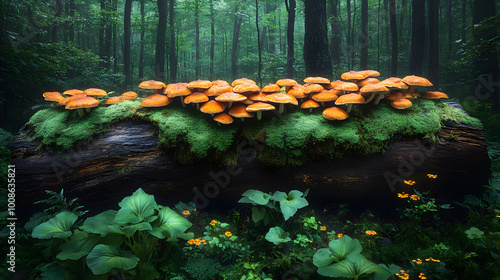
x: 59, y: 226
x: 135, y: 208
x: 103, y: 258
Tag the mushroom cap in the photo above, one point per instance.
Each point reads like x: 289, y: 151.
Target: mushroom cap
x: 223, y: 118
x: 95, y: 92
x: 369, y: 73
x: 129, y: 95
x: 66, y: 100
x: 391, y: 85
x: 401, y: 103
x: 408, y: 95
x: 83, y: 102
x: 240, y: 111
x: 282, y: 98
x: 347, y: 86
x: 309, y: 104
x: 393, y: 80
x: 152, y: 84
x: 196, y: 97
x: 374, y: 88
x: 316, y: 80
x: 394, y: 96
x: 179, y: 89
x: 416, y: 81
x: 286, y: 82
x: 231, y: 97
x: 73, y: 92
x: 246, y: 88
x: 434, y: 95
x: 220, y: 82
x: 156, y: 100
x: 113, y: 100
x: 325, y: 96
x: 261, y: 97
x: 212, y: 107
x: 271, y: 88
x: 367, y: 81
x: 199, y: 84
x: 171, y: 86
x: 313, y: 88
x: 353, y: 75
x: 335, y: 113
x: 216, y: 90
x: 350, y: 98
x: 260, y: 106
x: 242, y: 81
x: 297, y: 91
x: 248, y: 101
x: 53, y: 96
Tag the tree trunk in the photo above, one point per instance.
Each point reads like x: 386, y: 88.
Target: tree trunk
x: 290, y: 54
x: 417, y: 37
x: 212, y: 39
x: 394, y: 38
x: 197, y: 35
x: 141, y: 47
x: 102, y: 62
x: 353, y: 49
x: 271, y: 41
x: 488, y: 82
x: 234, y: 50
x: 464, y: 20
x: 402, y: 18
x: 108, y: 35
x: 161, y: 40
x: 55, y: 26
x: 126, y: 39
x: 115, y: 39
x: 259, y: 47
x: 433, y: 62
x: 363, y: 40
x: 71, y: 31
x: 450, y: 27
x: 378, y: 35
x: 335, y: 34
x: 317, y: 57
x: 348, y: 47
x: 173, y: 54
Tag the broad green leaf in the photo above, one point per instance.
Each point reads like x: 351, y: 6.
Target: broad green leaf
x: 342, y: 247
x: 78, y: 246
x: 169, y: 224
x: 255, y: 197
x: 135, y: 208
x: 277, y: 235
x: 102, y: 224
x: 131, y: 229
x: 322, y: 257
x: 289, y: 204
x: 103, y: 258
x: 355, y: 266
x: 258, y: 213
x: 59, y: 226
x: 53, y: 271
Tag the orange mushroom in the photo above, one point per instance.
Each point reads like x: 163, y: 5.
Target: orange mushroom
x: 196, y: 98
x: 335, y: 113
x: 73, y: 92
x: 113, y: 100
x: 223, y: 118
x: 374, y: 89
x: 156, y: 100
x: 231, y: 97
x: 258, y: 107
x: 212, y: 107
x: 309, y: 104
x: 129, y: 95
x: 349, y: 100
x: 414, y: 81
x: 434, y: 95
x: 85, y: 102
x: 152, y: 84
x: 401, y: 103
x: 95, y: 92
x: 282, y: 99
x: 240, y: 111
x: 325, y: 96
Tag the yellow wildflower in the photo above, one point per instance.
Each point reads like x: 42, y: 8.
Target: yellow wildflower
x: 371, y: 232
x: 191, y: 241
x: 340, y: 235
x: 228, y: 234
x: 322, y: 228
x: 432, y: 176
x: 319, y: 222
x: 403, y: 275
x: 197, y: 241
x: 213, y: 222
x: 403, y: 195
x: 417, y: 261
x: 185, y: 212
x: 310, y: 241
x: 431, y: 259
x: 422, y: 276
x: 410, y: 182
x: 204, y: 241
x: 415, y: 197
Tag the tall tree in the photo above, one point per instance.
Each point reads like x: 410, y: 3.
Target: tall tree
x: 141, y: 44
x: 464, y: 20
x: 378, y: 35
x: 488, y: 82
x: 212, y: 39
x: 335, y: 32
x: 259, y: 47
x: 234, y: 51
x: 197, y: 44
x: 317, y: 57
x: 433, y: 62
x: 126, y: 39
x: 290, y: 54
x: 348, y: 47
x: 102, y: 32
x: 55, y: 26
x: 417, y: 36
x: 108, y: 34
x: 450, y: 26
x: 363, y: 40
x: 394, y: 38
x: 173, y: 54
x: 71, y: 32
x: 161, y: 40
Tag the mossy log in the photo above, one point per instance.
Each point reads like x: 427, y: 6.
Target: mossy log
x: 127, y: 157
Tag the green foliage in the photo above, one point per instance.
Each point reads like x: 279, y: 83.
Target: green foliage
x: 277, y: 236
x: 202, y: 269
x: 57, y: 227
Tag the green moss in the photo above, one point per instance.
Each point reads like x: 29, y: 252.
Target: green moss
x: 289, y: 139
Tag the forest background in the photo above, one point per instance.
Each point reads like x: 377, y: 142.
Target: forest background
x: 55, y: 45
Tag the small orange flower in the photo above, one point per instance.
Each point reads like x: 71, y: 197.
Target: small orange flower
x: 403, y: 195
x: 322, y: 228
x: 410, y: 182
x: 431, y: 259
x: 213, y: 222
x: 319, y: 222
x: 228, y: 234
x: 422, y: 276
x: 403, y: 275
x: 204, y: 241
x: 185, y: 212
x: 417, y: 261
x: 415, y: 197
x: 340, y: 235
x: 432, y: 176
x: 197, y: 241
x: 371, y: 232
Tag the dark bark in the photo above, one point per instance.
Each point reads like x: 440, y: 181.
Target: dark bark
x: 141, y: 46
x: 126, y: 39
x: 102, y: 33
x: 173, y: 54
x: 348, y: 47
x: 212, y: 39
x: 108, y: 35
x: 335, y: 33
x: 402, y: 20
x: 259, y: 46
x: 55, y: 26
x: 363, y: 40
x: 378, y: 35
x: 394, y: 38
x: 317, y: 57
x: 417, y: 37
x: 161, y: 40
x: 290, y: 41
x: 450, y: 27
x: 197, y: 35
x: 115, y: 39
x: 234, y: 50
x: 433, y: 62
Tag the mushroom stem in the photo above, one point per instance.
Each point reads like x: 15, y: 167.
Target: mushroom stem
x: 411, y: 89
x: 198, y: 106
x: 259, y: 115
x: 349, y: 107
x: 310, y: 110
x: 183, y: 103
x: 379, y: 97
x: 282, y: 108
x: 80, y: 112
x: 229, y: 105
x: 370, y: 98
x: 88, y: 110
